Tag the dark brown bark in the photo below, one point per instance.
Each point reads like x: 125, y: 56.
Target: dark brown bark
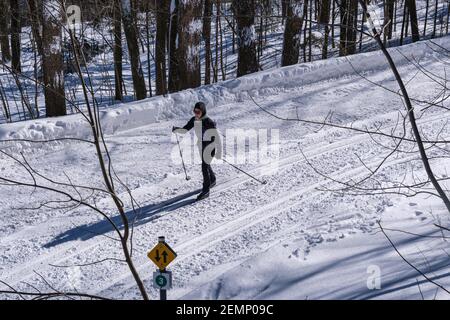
x: 162, y: 25
x: 310, y: 26
x: 292, y: 32
x: 348, y: 31
x: 15, y: 35
x: 284, y: 8
x: 35, y: 15
x: 388, y: 19
x: 404, y: 23
x: 118, y: 53
x: 413, y: 18
x: 186, y: 33
x: 426, y: 18
x: 324, y: 11
x: 131, y: 35
x: 436, y: 5
x: 207, y: 38
x: 324, y: 18
x: 4, y: 31
x: 190, y: 27
x: 174, y: 74
x: 244, y: 12
x: 333, y: 20
x: 53, y: 66
x: 149, y: 53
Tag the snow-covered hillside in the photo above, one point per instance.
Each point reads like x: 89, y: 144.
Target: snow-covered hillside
x: 287, y: 239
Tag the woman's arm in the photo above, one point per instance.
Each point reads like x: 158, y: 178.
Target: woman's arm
x: 186, y: 128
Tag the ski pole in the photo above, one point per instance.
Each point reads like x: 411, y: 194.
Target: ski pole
x: 239, y: 169
x: 182, y: 159
x: 246, y: 173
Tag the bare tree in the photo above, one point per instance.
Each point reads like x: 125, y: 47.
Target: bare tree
x: 349, y: 13
x: 174, y: 69
x: 35, y: 16
x: 53, y: 66
x: 292, y: 32
x: 16, y: 28
x: 131, y: 34
x: 411, y: 113
x: 388, y: 19
x: 244, y: 12
x: 4, y: 31
x: 190, y: 27
x: 324, y: 18
x: 411, y: 4
x: 118, y: 50
x: 207, y: 37
x: 162, y: 25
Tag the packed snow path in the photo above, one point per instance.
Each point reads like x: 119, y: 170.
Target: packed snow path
x: 242, y: 219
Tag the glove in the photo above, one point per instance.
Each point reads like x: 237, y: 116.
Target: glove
x: 175, y: 129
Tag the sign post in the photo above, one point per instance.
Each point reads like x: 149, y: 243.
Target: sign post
x: 162, y: 255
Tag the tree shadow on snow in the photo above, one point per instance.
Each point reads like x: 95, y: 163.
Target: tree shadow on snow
x: 142, y: 216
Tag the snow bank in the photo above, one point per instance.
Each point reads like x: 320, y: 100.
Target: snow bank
x: 137, y: 114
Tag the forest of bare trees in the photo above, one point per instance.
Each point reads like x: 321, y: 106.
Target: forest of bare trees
x: 158, y: 47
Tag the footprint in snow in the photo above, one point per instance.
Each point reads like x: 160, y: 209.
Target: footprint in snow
x: 419, y: 215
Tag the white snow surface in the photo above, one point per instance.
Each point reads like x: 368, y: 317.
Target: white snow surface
x: 288, y: 239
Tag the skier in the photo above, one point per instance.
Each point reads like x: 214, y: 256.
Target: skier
x: 208, y: 143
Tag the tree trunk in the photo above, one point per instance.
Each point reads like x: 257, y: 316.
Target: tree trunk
x: 435, y: 18
x: 310, y: 30
x: 185, y: 37
x: 15, y: 35
x: 174, y: 74
x: 216, y: 60
x: 244, y: 11
x: 324, y: 18
x: 292, y: 31
x: 333, y: 20
x: 448, y: 16
x: 35, y: 15
x: 207, y: 38
x: 405, y: 18
x: 4, y: 31
x: 426, y: 18
x: 53, y: 65
x: 324, y: 11
x: 137, y: 72
x: 348, y: 32
x: 413, y: 17
x: 361, y: 34
x: 162, y: 24
x: 149, y: 53
x: 118, y: 53
x: 190, y: 27
x: 285, y: 8
x: 222, y: 65
x: 388, y: 19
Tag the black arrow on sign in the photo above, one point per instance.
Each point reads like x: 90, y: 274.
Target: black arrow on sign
x: 165, y: 254
x: 157, y: 256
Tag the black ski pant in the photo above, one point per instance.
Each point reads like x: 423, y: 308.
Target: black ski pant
x: 208, y: 176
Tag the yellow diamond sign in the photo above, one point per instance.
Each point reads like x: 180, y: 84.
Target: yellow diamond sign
x: 162, y: 255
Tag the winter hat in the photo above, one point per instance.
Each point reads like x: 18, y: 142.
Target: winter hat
x: 202, y: 107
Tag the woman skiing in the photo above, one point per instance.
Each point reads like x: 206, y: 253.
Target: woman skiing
x: 208, y: 143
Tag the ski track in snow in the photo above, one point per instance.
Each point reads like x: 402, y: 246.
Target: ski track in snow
x: 241, y: 219
x: 19, y: 274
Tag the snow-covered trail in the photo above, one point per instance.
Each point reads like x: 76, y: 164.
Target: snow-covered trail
x: 242, y: 219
